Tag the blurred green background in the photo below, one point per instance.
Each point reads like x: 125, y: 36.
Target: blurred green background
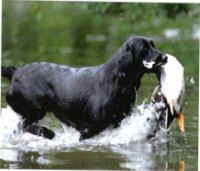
x: 84, y: 34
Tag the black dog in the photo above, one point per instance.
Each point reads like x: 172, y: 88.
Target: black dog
x: 90, y: 99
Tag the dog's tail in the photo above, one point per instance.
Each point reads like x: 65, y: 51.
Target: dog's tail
x: 8, y: 71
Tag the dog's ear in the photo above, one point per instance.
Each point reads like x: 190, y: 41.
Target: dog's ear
x: 126, y: 58
x: 152, y: 43
x: 127, y: 47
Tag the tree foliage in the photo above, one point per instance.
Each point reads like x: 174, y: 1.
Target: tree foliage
x: 142, y: 10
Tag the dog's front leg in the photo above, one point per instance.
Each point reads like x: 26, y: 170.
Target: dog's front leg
x: 88, y: 132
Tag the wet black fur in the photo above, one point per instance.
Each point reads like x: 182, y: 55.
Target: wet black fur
x: 90, y: 99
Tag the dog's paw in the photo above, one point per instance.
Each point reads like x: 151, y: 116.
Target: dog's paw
x: 85, y: 134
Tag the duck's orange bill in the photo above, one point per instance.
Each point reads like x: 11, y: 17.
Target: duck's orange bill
x: 181, y: 166
x: 181, y: 122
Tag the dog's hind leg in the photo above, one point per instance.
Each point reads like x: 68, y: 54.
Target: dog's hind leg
x: 35, y: 129
x: 30, y: 124
x: 31, y: 113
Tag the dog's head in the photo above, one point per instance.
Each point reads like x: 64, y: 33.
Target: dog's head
x: 144, y: 53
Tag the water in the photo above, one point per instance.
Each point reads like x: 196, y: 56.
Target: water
x: 131, y: 134
x: 127, y: 144
x: 72, y: 34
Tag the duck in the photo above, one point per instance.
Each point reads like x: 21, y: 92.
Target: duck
x: 170, y: 91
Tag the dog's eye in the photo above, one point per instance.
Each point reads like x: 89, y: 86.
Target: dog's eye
x: 145, y: 49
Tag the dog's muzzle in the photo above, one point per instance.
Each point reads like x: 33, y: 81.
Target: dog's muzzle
x: 162, y: 61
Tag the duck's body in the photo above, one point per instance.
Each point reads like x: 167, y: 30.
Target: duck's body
x: 171, y: 90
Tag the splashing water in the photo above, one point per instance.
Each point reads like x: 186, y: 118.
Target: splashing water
x: 136, y: 127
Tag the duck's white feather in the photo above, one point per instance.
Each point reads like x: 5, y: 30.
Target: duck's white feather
x: 173, y: 83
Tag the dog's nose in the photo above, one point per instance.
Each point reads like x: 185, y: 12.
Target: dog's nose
x: 164, y: 58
